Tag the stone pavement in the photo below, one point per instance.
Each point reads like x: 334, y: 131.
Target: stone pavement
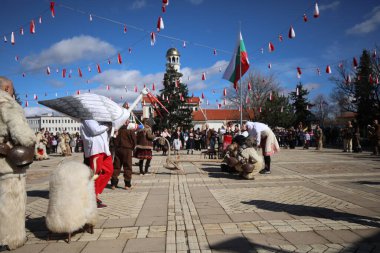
x: 313, y: 201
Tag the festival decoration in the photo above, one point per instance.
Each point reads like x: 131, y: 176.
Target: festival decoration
x: 203, y: 76
x: 355, y: 62
x: 125, y: 29
x: 280, y: 39
x: 316, y: 10
x: 22, y: 31
x: 40, y: 20
x: 160, y: 24
x: 269, y: 66
x: 299, y: 71
x: 184, y: 44
x: 32, y: 27
x: 270, y: 47
x: 318, y: 71
x: 304, y: 18
x: 224, y: 92
x: 215, y: 52
x: 52, y: 10
x: 63, y: 73
x: 249, y: 86
x: 119, y: 58
x: 12, y: 38
x: 203, y: 96
x: 90, y: 17
x: 48, y: 70
x: 328, y: 69
x: 152, y: 38
x: 153, y: 87
x: 80, y: 72
x: 292, y: 33
x: 108, y: 87
x: 98, y: 68
x: 348, y: 79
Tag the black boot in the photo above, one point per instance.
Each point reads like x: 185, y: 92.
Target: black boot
x: 128, y: 184
x: 141, y: 163
x: 147, y: 165
x: 266, y: 170
x: 114, y: 183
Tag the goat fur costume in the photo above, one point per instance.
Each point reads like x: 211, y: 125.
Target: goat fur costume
x: 13, y: 125
x: 72, y: 201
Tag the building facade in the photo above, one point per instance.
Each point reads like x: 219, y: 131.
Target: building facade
x: 53, y: 123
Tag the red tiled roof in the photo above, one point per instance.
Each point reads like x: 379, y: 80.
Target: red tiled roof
x: 221, y: 114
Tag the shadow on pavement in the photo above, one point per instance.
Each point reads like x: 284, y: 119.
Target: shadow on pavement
x: 38, y: 193
x: 215, y: 171
x: 241, y: 244
x: 368, y: 182
x: 317, y: 212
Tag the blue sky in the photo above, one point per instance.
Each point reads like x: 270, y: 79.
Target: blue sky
x: 70, y: 40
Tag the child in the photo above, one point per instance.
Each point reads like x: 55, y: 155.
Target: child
x: 307, y: 140
x: 177, y: 144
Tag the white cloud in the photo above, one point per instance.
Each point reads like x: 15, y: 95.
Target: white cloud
x: 367, y: 26
x: 331, y: 6
x: 37, y: 111
x: 312, y: 86
x: 69, y: 50
x: 57, y: 83
x: 196, y: 2
x: 138, y: 4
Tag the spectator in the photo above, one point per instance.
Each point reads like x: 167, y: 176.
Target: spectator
x: 347, y: 134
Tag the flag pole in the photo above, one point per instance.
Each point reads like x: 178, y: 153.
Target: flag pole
x: 241, y: 88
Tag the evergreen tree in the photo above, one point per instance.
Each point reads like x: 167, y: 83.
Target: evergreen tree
x: 174, y: 96
x: 277, y: 112
x: 366, y: 91
x: 301, y: 105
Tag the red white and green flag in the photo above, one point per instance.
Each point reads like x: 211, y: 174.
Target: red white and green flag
x: 239, y: 63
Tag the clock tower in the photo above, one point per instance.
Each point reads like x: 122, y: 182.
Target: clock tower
x: 172, y: 60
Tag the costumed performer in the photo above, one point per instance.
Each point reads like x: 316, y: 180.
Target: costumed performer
x: 266, y: 139
x: 17, y: 142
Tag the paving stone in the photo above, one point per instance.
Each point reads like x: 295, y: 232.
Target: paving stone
x: 267, y: 239
x: 217, y: 218
x: 31, y: 248
x: 119, y: 223
x: 109, y: 246
x: 145, y: 245
x: 340, y: 236
x: 303, y: 238
x: 229, y: 243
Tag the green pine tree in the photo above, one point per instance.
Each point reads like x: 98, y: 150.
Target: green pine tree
x: 302, y: 106
x: 173, y: 96
x: 277, y: 112
x: 366, y: 91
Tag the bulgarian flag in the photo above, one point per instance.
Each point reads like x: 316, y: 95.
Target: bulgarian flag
x: 239, y: 63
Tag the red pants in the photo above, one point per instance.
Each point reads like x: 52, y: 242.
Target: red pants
x: 104, y: 168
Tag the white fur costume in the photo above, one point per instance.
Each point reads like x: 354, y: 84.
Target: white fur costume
x: 72, y: 201
x: 12, y: 186
x: 250, y: 155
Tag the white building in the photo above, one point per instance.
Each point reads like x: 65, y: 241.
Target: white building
x: 53, y: 123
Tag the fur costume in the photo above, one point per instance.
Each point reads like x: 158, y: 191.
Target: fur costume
x: 40, y: 150
x: 13, y: 125
x: 72, y: 201
x: 250, y: 155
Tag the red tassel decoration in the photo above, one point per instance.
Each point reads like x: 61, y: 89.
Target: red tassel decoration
x: 40, y: 20
x: 160, y: 24
x: 328, y: 69
x: 370, y: 79
x: 163, y: 8
x: 136, y: 88
x: 152, y: 38
x: 32, y: 27
x: 63, y: 73
x: 78, y: 92
x: 80, y: 72
x: 48, y: 70
x: 269, y: 66
x: 292, y: 33
x: 203, y: 76
x: 318, y: 71
x: 355, y: 62
x: 153, y: 87
x: 109, y: 61
x: 280, y: 39
x: 203, y: 96
x: 52, y: 9
x: 270, y: 47
x: 125, y: 29
x: 304, y: 18
x: 26, y: 104
x: 225, y: 92
x: 22, y: 31
x: 119, y: 58
x: 214, y: 51
x: 108, y: 87
x: 13, y: 38
x: 249, y: 86
x: 316, y: 10
x: 98, y: 67
x: 35, y: 97
x: 299, y: 71
x: 184, y: 44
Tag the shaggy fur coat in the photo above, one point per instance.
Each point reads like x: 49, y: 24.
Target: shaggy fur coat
x: 12, y: 186
x: 72, y: 201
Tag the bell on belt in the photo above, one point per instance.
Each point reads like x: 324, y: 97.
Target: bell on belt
x: 21, y: 156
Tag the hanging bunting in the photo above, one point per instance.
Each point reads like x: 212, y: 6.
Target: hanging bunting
x: 340, y: 65
x: 269, y: 66
x: 78, y: 92
x: 270, y: 96
x: 247, y: 100
x: 318, y: 71
x: 32, y: 27
x: 89, y: 69
x: 299, y: 71
x: 214, y: 51
x: 224, y: 101
x: 130, y: 50
x: 23, y: 74
x: 12, y: 38
x: 16, y: 58
x: 63, y: 73
x: 57, y: 70
x: 144, y: 85
x: 90, y: 17
x: 109, y: 61
x: 260, y: 109
x: 136, y: 88
x: 355, y: 62
x: 262, y: 50
x: 52, y: 10
x: 207, y: 103
x: 280, y: 39
x: 152, y: 38
x: 203, y: 76
x: 153, y: 87
x: 165, y: 2
x: 249, y: 86
x: 108, y: 87
x: 163, y: 8
x: 160, y: 24
x: 162, y: 97
x: 119, y: 58
x: 80, y: 72
x: 176, y: 83
x: 40, y: 20
x: 5, y: 39
x: 22, y: 31
x: 48, y: 70
x: 297, y: 91
x: 203, y: 96
x: 270, y: 47
x: 98, y: 68
x: 304, y: 18
x: 348, y: 79
x: 328, y: 69
x: 292, y: 33
x: 184, y: 44
x: 316, y: 10
x: 125, y: 29
x: 225, y: 92
x: 26, y: 104
x: 35, y: 97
